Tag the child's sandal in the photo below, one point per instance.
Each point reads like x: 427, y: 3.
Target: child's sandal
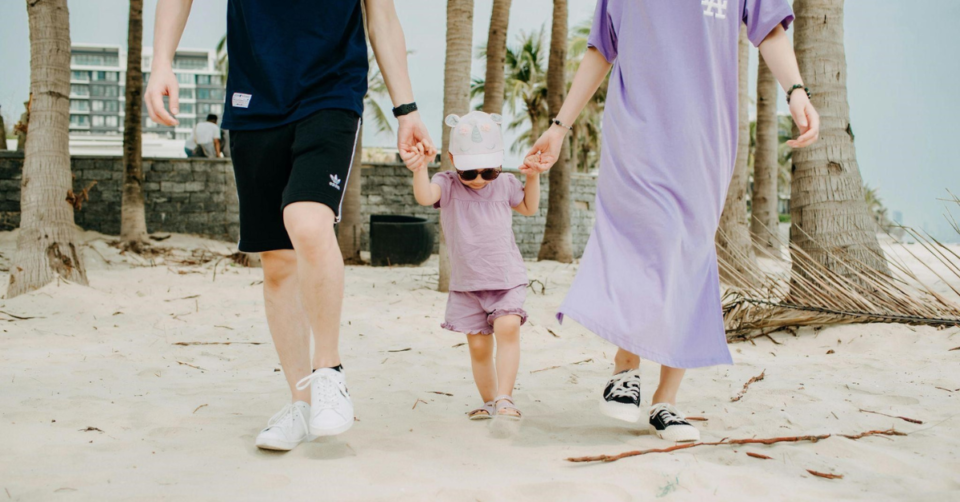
x: 506, y: 403
x: 484, y: 412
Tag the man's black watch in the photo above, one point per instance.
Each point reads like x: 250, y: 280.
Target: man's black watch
x: 404, y: 109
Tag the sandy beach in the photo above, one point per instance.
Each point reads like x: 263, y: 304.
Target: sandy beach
x: 152, y: 383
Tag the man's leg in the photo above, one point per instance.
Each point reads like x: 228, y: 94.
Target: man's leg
x: 286, y: 318
x: 320, y: 274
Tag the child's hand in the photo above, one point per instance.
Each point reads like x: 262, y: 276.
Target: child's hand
x: 534, y: 164
x: 414, y: 157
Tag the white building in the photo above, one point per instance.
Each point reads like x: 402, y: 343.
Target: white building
x: 97, y: 78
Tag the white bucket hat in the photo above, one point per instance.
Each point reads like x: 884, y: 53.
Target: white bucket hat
x: 476, y: 141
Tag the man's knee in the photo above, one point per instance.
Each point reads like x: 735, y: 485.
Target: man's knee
x: 310, y: 226
x: 278, y: 267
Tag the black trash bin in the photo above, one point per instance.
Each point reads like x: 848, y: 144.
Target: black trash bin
x: 399, y: 240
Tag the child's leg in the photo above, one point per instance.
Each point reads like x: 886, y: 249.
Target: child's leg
x: 507, y: 331
x: 625, y: 361
x: 670, y: 379
x: 481, y: 359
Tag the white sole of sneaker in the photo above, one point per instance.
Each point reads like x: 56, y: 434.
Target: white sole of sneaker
x: 277, y: 445
x: 625, y: 412
x: 679, y: 434
x: 333, y: 431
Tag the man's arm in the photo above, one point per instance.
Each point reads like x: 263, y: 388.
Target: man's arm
x: 216, y: 146
x: 390, y: 49
x: 778, y: 53
x: 171, y: 19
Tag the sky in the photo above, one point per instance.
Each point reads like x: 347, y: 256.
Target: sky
x: 902, y: 91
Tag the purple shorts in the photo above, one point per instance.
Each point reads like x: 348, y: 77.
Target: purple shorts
x: 473, y: 312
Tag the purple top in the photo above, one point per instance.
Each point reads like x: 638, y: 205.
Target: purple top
x: 478, y: 227
x: 648, y: 279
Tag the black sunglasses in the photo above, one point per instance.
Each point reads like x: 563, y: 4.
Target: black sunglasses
x: 487, y: 174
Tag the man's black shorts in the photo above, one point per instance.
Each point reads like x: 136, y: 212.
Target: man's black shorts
x: 307, y: 160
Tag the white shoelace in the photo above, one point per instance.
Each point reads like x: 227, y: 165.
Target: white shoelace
x: 672, y: 415
x: 627, y: 385
x: 328, y: 389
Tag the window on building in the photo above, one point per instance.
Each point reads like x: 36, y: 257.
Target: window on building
x: 188, y: 122
x: 106, y: 91
x: 209, y: 93
x: 186, y: 93
x: 97, y: 120
x: 79, y: 105
x: 186, y: 107
x: 185, y: 78
x: 79, y: 90
x: 80, y: 121
x: 80, y: 76
x: 111, y: 121
x: 94, y: 59
x: 99, y: 105
x: 203, y: 79
x: 189, y: 63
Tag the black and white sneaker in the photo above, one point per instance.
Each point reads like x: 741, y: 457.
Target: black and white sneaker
x: 671, y: 425
x: 621, y: 397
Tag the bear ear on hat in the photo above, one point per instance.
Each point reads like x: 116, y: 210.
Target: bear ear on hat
x: 496, y: 118
x: 452, y: 120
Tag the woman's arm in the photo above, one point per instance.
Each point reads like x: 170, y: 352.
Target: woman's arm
x: 546, y: 151
x: 426, y: 193
x: 390, y: 49
x: 171, y: 18
x: 778, y: 53
x: 531, y: 193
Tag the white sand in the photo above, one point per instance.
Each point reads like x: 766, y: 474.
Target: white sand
x: 104, y: 357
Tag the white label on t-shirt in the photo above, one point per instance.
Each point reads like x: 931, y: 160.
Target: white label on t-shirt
x: 241, y: 100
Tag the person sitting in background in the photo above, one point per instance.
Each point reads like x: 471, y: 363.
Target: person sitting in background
x: 205, y: 139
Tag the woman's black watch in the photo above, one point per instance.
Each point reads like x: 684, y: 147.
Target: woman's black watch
x: 404, y: 109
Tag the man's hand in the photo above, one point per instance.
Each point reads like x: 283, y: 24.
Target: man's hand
x: 546, y: 151
x: 806, y: 118
x: 413, y: 140
x: 163, y: 83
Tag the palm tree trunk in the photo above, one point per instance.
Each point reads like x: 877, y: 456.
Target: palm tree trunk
x: 3, y: 134
x: 496, y: 56
x: 828, y: 213
x: 350, y: 228
x: 456, y: 92
x: 133, y: 220
x: 46, y: 245
x: 557, y: 241
x: 766, y: 218
x: 733, y: 238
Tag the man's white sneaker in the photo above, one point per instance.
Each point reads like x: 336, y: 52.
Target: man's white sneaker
x: 331, y: 410
x: 671, y: 425
x: 286, y: 429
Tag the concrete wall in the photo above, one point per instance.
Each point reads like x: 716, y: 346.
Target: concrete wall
x: 198, y: 196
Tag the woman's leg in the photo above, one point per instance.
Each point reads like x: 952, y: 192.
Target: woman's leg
x: 481, y: 359
x: 625, y: 361
x: 670, y: 379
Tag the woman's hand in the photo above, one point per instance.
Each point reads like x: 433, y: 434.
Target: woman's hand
x: 806, y: 118
x: 546, y: 151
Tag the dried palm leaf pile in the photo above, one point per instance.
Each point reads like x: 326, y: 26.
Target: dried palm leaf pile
x: 807, y: 293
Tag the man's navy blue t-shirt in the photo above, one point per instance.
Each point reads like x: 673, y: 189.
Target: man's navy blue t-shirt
x: 291, y: 58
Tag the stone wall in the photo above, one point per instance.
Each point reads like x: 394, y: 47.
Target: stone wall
x: 198, y: 196
x: 195, y: 196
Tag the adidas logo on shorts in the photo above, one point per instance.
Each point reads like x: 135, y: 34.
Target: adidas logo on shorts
x: 335, y: 181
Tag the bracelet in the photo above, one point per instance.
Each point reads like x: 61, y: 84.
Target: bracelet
x: 795, y: 87
x: 556, y: 121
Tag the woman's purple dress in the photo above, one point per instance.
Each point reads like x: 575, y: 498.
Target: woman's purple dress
x: 648, y: 280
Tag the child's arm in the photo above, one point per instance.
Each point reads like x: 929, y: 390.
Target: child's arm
x: 426, y: 193
x: 531, y: 192
x: 778, y: 53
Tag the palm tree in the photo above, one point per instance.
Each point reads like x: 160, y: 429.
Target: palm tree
x: 223, y: 60
x: 456, y: 92
x: 765, y: 218
x: 734, y: 247
x: 133, y: 220
x: 525, y: 84
x: 3, y: 134
x: 829, y: 215
x: 350, y: 228
x: 557, y: 240
x: 496, y: 56
x: 47, y: 242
